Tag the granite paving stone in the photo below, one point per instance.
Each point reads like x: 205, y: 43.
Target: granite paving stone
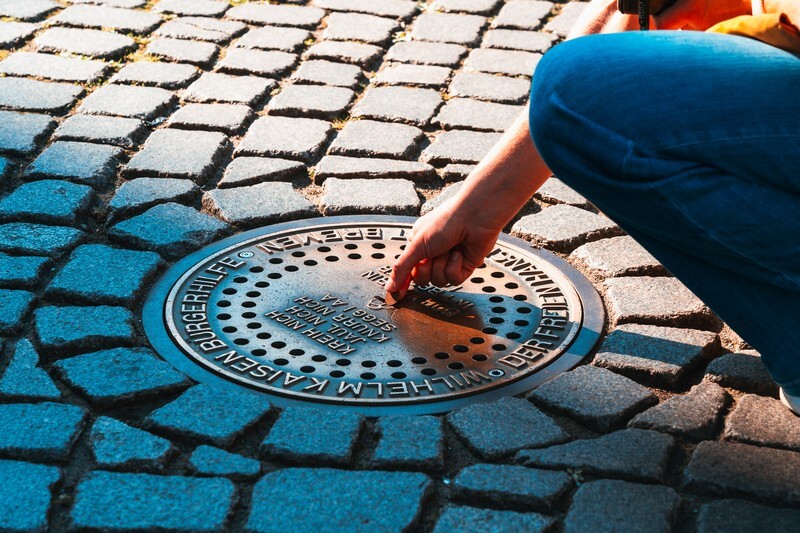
x: 655, y: 300
x: 448, y: 28
x: 418, y: 75
x: 112, y: 3
x: 327, y: 73
x: 617, y: 256
x: 459, y: 146
x: 198, y: 8
x: 115, y: 444
x: 490, y: 87
x: 197, y: 53
x: 740, y: 516
x: 609, y: 505
x: 23, y: 378
x: 292, y: 138
x: 122, y: 132
x: 274, y: 38
x: 201, y: 29
x: 210, y: 461
x: 353, y: 500
x: 13, y: 33
x: 695, y: 415
x: 564, y: 227
x: 335, y: 166
x: 425, y: 53
x: 511, y: 486
x: 555, y: 191
x: 170, y: 229
x: 137, y: 195
x: 733, y: 469
x: 460, y: 518
x: 477, y: 7
x: 227, y: 118
x: 743, y: 371
x: 215, y: 87
x: 561, y: 23
x: 497, y: 429
x: 93, y: 43
x: 74, y: 328
x: 22, y: 272
x: 359, y: 27
x: 130, y: 374
x: 277, y: 15
x: 607, y: 400
x: 39, y: 431
x: 122, y: 20
x: 47, y: 201
x: 37, y: 239
x: 528, y: 41
x: 522, y: 14
x: 409, y: 442
x: 764, y: 421
x: 315, y: 101
x: 368, y: 138
x: 447, y: 193
x: 151, y: 73
x: 508, y: 62
x: 15, y: 305
x: 260, y: 204
x: 173, y: 153
x: 636, y: 454
x: 105, y: 500
x: 373, y: 195
x: 269, y: 63
x: 401, y: 9
x: 244, y: 171
x: 25, y: 494
x: 456, y: 171
x: 118, y: 276
x: 52, y: 67
x: 125, y: 101
x: 399, y: 104
x: 22, y: 133
x: 26, y: 9
x: 656, y: 355
x: 31, y: 95
x: 210, y: 413
x: 358, y: 53
x: 476, y: 115
x: 86, y: 163
x: 308, y: 435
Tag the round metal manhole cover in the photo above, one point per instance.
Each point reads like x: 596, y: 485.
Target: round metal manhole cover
x: 297, y: 311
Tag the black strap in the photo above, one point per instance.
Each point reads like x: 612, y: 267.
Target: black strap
x: 644, y: 15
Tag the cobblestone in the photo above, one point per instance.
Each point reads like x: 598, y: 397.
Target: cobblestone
x: 314, y: 101
x: 25, y: 493
x: 364, y: 500
x: 126, y: 101
x: 656, y: 355
x: 22, y: 133
x: 610, y: 505
x: 511, y: 486
x: 272, y: 64
x: 739, y: 516
x: 561, y: 24
x: 508, y: 62
x: 199, y: 8
x: 448, y: 28
x: 555, y: 191
x: 527, y: 41
x: 358, y: 53
x: 292, y: 138
x: 201, y: 29
x: 419, y: 75
x: 424, y: 53
x: 86, y: 163
x: 13, y: 33
x: 732, y: 469
x: 172, y: 153
x: 478, y: 7
x: 447, y: 193
x: 52, y: 67
x: 260, y: 204
x: 456, y: 171
x: 334, y: 166
x: 385, y: 8
x: 373, y: 195
x: 764, y: 421
x: 651, y: 300
x: 122, y: 132
x: 458, y: 518
x: 742, y: 371
x: 16, y: 305
x: 47, y: 201
x: 398, y: 104
x: 101, y: 17
x: 170, y: 229
x: 42, y: 431
x: 210, y: 414
x: 163, y: 75
x: 368, y: 138
x: 31, y: 95
x: 118, y: 445
x: 37, y: 239
x: 409, y: 442
x: 27, y: 9
x: 227, y: 118
x: 197, y: 53
x: 277, y: 15
x: 93, y: 43
x: 359, y: 27
x: 477, y: 115
x: 24, y: 379
x: 244, y: 171
x: 140, y: 194
x: 214, y: 87
x: 274, y: 38
x: 108, y: 500
x: 488, y: 431
x: 618, y: 256
x: 636, y: 454
x: 211, y: 461
x: 695, y: 416
x: 564, y: 227
x: 522, y: 14
x: 21, y: 272
x: 72, y: 328
x: 328, y: 73
x: 306, y: 435
x: 490, y: 87
x: 608, y: 399
x: 459, y: 147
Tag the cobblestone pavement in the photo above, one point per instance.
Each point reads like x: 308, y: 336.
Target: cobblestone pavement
x: 134, y: 131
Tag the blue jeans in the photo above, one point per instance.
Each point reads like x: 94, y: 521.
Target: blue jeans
x: 691, y: 143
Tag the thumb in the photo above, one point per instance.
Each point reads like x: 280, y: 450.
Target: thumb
x: 401, y: 273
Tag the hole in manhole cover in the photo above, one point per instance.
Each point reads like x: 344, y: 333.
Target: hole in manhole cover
x: 296, y: 311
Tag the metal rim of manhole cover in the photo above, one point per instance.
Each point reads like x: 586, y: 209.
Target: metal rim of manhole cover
x: 297, y: 311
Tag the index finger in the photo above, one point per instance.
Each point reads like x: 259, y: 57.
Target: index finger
x: 400, y: 277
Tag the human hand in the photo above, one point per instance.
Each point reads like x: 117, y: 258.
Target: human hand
x: 700, y: 14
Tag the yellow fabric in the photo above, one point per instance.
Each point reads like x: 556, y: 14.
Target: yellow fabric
x: 772, y: 28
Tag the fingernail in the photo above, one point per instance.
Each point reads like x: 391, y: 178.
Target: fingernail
x: 455, y: 255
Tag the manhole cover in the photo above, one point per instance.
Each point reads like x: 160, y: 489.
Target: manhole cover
x: 296, y: 311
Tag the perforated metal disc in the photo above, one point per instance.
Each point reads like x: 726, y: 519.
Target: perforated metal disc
x: 297, y: 311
